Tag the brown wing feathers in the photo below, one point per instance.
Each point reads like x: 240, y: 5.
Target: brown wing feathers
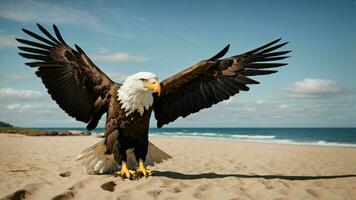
x: 214, y: 80
x: 80, y: 88
x: 72, y: 80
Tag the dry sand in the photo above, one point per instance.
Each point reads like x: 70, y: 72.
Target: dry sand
x: 201, y: 169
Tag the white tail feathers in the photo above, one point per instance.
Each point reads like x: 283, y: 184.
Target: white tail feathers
x: 95, y: 161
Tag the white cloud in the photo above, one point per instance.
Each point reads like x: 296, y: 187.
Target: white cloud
x: 103, y: 50
x: 228, y: 101
x: 260, y: 101
x: 14, y: 77
x: 18, y: 108
x: 22, y: 108
x: 10, y: 93
x: 35, y: 11
x: 314, y: 88
x: 105, y: 54
x: 118, y: 77
x: 120, y: 57
x: 235, y: 113
x: 17, y: 77
x: 36, y: 114
x: 277, y: 113
x: 7, y: 41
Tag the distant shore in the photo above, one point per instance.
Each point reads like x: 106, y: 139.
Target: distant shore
x: 43, y: 168
x: 35, y: 132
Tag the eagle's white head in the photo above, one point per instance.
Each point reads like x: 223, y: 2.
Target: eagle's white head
x: 136, y: 92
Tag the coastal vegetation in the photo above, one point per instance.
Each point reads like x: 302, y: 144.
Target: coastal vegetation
x: 9, y: 129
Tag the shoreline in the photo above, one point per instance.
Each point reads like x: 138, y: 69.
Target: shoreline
x: 262, y: 139
x: 337, y: 145
x: 336, y: 137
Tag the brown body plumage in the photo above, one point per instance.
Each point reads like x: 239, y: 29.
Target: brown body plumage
x: 126, y: 132
x: 84, y: 92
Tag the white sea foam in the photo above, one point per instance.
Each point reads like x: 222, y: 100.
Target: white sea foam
x: 220, y: 135
x: 254, y: 136
x: 251, y: 138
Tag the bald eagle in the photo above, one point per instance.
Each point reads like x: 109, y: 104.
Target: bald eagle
x: 84, y: 92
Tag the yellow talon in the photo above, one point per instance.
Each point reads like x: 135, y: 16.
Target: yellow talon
x: 125, y: 172
x: 142, y: 170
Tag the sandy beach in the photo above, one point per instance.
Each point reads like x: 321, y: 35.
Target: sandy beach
x: 42, y: 168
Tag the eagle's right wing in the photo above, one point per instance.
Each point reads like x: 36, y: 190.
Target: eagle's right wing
x: 213, y: 80
x: 78, y: 86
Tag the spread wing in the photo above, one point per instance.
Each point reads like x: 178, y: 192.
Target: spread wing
x: 214, y: 80
x: 72, y: 79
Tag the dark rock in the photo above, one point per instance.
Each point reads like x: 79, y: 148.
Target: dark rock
x: 109, y: 186
x: 65, y: 174
x: 52, y: 133
x: 64, y: 133
x: 77, y: 133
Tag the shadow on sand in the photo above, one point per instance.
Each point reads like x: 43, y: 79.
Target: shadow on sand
x: 177, y: 175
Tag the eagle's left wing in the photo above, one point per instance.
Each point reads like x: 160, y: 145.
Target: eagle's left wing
x: 214, y: 80
x: 77, y: 85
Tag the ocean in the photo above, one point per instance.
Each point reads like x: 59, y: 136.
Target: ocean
x: 344, y: 137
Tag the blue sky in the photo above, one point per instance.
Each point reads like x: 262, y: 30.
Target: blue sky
x: 316, y: 89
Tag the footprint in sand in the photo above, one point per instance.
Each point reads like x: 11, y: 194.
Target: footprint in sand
x: 200, y: 192
x: 79, y: 185
x: 71, y: 192
x: 312, y: 192
x: 23, y: 193
x: 175, y: 190
x: 67, y: 195
x: 154, y: 193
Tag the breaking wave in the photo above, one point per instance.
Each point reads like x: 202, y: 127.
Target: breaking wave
x: 251, y: 138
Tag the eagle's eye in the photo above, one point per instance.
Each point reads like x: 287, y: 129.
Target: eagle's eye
x: 143, y: 79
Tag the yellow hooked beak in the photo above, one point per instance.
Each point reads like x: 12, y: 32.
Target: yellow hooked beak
x: 153, y: 85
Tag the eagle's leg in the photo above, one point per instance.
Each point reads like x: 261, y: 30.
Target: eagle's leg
x: 120, y: 156
x: 125, y: 172
x: 140, y: 152
x: 142, y: 170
